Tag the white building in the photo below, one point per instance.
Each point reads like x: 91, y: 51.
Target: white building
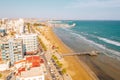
x: 30, y: 43
x: 30, y: 68
x: 19, y: 26
x: 4, y: 66
x: 35, y: 73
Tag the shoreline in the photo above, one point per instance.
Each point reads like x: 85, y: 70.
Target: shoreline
x: 74, y: 66
x: 101, y: 65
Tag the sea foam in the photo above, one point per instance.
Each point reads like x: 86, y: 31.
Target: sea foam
x: 100, y: 47
x: 109, y: 41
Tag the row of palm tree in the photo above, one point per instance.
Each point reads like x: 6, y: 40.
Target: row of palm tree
x: 60, y: 65
x: 42, y: 44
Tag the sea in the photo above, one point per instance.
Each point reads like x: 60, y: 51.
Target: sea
x: 104, y: 36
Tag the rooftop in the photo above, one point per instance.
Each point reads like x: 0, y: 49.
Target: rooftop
x: 30, y: 62
x: 30, y: 34
x: 36, y: 71
x: 5, y: 40
x: 35, y: 60
x: 20, y: 61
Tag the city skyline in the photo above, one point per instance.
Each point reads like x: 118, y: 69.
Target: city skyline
x: 61, y: 9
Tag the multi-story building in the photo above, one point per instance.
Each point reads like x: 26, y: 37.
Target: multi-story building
x: 4, y: 65
x: 19, y: 26
x: 31, y: 68
x: 30, y: 43
x: 12, y: 50
x: 2, y: 32
x: 5, y: 72
x: 35, y: 73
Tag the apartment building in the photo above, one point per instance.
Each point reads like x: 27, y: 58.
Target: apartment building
x: 2, y: 32
x: 30, y: 43
x: 12, y: 50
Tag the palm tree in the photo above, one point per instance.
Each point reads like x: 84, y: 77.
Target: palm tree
x: 63, y: 71
x: 60, y: 65
x: 0, y: 75
x: 54, y: 57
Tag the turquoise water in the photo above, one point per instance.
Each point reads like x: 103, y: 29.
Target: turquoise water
x: 103, y: 34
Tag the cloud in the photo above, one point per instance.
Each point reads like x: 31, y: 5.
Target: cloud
x: 94, y: 3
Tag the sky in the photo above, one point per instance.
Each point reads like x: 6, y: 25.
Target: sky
x: 61, y: 9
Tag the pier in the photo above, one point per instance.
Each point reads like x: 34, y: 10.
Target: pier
x: 93, y: 53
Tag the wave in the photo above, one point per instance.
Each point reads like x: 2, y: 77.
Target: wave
x: 52, y: 21
x: 64, y: 25
x: 73, y: 25
x: 109, y: 41
x: 68, y: 25
x: 100, y: 47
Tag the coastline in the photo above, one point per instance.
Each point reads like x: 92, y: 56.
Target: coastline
x: 105, y: 68
x: 74, y: 66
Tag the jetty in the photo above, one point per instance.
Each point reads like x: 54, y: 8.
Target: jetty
x: 92, y: 53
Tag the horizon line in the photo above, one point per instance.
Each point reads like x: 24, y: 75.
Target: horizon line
x: 64, y: 19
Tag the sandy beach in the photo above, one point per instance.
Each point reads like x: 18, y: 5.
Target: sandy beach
x: 75, y: 67
x: 105, y: 67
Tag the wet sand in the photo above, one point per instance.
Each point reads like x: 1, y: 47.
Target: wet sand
x: 106, y: 68
x: 75, y: 67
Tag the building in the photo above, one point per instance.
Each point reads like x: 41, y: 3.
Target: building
x: 19, y: 26
x: 30, y: 43
x: 32, y: 68
x: 4, y: 70
x: 2, y: 32
x: 22, y: 28
x: 4, y: 66
x: 30, y: 61
x: 12, y: 50
x: 35, y: 73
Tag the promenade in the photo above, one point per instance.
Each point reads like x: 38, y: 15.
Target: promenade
x: 54, y: 72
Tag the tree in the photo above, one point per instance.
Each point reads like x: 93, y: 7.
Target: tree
x: 63, y: 71
x: 42, y: 44
x: 54, y: 57
x: 37, y: 24
x: 59, y: 65
x: 0, y: 75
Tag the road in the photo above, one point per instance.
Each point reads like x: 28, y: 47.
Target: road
x: 52, y: 71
